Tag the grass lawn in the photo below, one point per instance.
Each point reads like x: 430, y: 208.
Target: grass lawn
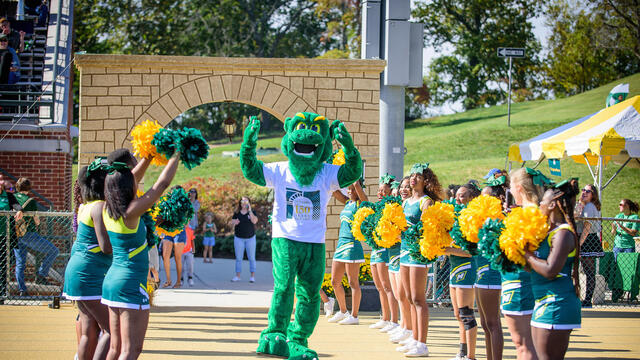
x: 464, y: 146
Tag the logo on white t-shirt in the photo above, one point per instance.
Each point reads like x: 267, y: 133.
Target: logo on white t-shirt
x: 303, y: 205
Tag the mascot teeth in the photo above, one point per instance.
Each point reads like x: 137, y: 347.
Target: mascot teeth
x: 306, y: 150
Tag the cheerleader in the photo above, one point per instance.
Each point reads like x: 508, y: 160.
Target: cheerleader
x: 380, y: 272
x: 555, y: 277
x: 124, y: 288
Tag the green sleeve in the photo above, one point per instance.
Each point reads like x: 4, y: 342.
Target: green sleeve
x: 351, y: 171
x: 249, y: 163
x: 635, y: 225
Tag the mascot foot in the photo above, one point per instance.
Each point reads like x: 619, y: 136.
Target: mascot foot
x: 273, y: 344
x: 300, y: 352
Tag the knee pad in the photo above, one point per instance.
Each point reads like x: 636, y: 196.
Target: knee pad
x: 467, y: 317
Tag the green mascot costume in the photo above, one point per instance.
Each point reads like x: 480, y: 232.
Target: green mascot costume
x: 302, y: 188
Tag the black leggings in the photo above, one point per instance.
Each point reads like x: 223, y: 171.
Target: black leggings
x: 589, y: 268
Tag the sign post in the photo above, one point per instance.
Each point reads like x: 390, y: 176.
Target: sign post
x: 510, y: 53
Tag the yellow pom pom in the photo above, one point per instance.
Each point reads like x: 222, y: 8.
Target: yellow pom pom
x: 437, y: 220
x: 480, y: 209
x: 338, y: 158
x: 356, y: 224
x: 141, y: 141
x: 524, y: 229
x: 390, y: 226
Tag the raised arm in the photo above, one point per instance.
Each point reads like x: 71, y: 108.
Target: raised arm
x: 338, y: 195
x: 101, y: 230
x: 360, y: 191
x: 456, y: 252
x: 140, y: 205
x: 351, y: 171
x: 141, y: 168
x: 249, y: 163
x: 562, y: 244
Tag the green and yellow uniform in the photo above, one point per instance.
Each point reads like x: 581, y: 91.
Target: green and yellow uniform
x: 412, y: 211
x: 348, y: 250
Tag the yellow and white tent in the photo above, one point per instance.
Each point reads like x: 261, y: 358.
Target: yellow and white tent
x: 611, y: 133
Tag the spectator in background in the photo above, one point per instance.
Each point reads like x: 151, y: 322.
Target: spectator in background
x: 31, y: 240
x: 43, y: 13
x: 187, y: 262
x: 8, y: 202
x: 625, y: 231
x: 6, y: 59
x: 589, y: 235
x: 193, y: 223
x: 209, y: 230
x: 16, y: 39
x: 244, y: 221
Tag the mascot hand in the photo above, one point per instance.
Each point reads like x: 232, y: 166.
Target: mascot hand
x: 341, y: 134
x: 252, y: 130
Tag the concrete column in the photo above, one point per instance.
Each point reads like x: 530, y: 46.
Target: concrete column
x: 391, y: 130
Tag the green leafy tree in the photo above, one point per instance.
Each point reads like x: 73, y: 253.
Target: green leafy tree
x: 474, y: 29
x: 617, y: 29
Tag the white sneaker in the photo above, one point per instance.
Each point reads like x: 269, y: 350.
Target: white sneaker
x: 407, y: 340
x: 401, y: 336
x: 328, y: 307
x: 391, y: 328
x: 349, y: 320
x: 252, y: 279
x: 379, y: 325
x: 419, y: 350
x: 338, y: 316
x: 190, y: 281
x: 408, y: 345
x: 235, y: 279
x: 459, y: 357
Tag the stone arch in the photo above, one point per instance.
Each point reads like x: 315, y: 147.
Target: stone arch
x: 119, y: 91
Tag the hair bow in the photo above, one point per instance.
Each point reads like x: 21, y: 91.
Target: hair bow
x: 493, y: 181
x: 419, y: 168
x: 98, y: 163
x: 539, y: 178
x: 475, y: 185
x: 564, y: 182
x: 395, y: 185
x: 387, y: 179
x: 117, y: 166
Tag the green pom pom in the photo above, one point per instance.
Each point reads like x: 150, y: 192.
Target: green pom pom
x: 166, y: 141
x: 489, y: 247
x: 193, y: 147
x: 150, y: 225
x: 175, y: 210
x: 412, y: 238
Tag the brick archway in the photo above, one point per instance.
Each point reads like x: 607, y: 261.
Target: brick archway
x: 119, y: 91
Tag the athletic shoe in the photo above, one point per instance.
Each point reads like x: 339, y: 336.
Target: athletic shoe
x: 409, y: 344
x: 401, y: 336
x: 190, y: 281
x: 390, y: 328
x: 349, y: 320
x: 328, y: 307
x: 459, y: 357
x: 338, y: 316
x: 419, y: 350
x: 252, y: 279
x: 235, y: 279
x: 380, y: 324
x: 407, y: 340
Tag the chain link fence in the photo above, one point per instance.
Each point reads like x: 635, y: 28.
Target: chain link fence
x: 34, y: 252
x: 608, y: 278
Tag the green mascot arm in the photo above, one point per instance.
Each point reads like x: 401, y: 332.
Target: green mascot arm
x: 251, y: 166
x: 351, y: 171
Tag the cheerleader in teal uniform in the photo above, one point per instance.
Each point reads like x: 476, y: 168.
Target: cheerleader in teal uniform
x: 124, y: 288
x: 347, y: 258
x: 462, y: 278
x: 555, y: 276
x: 89, y: 261
x: 517, y: 295
x: 489, y: 284
x: 380, y: 272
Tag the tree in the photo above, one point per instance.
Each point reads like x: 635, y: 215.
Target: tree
x: 475, y: 29
x: 343, y: 20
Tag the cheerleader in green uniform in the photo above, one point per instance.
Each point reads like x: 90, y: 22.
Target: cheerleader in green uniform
x: 555, y: 277
x: 462, y: 278
x: 380, y: 272
x: 517, y: 295
x: 347, y: 258
x: 124, y: 288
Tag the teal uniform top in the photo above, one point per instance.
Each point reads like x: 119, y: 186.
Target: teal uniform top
x: 125, y: 283
x: 348, y: 248
x: 413, y: 212
x: 87, y: 264
x: 556, y: 306
x: 209, y: 230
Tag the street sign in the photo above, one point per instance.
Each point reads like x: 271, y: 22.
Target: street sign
x: 511, y: 52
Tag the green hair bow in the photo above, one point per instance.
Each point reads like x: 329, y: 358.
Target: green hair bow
x: 395, y: 185
x: 493, y: 181
x: 539, y: 178
x: 564, y: 182
x: 475, y: 185
x: 387, y: 179
x: 117, y: 166
x: 97, y: 164
x: 418, y: 168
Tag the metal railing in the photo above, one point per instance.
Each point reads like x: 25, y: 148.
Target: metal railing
x: 32, y: 262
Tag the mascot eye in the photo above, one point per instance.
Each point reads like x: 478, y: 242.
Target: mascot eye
x: 301, y: 126
x: 315, y: 128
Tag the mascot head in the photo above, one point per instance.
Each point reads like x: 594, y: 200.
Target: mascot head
x: 307, y: 144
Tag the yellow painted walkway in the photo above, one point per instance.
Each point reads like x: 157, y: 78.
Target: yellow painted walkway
x: 37, y: 332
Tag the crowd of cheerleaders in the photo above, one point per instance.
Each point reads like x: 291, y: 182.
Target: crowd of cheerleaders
x: 517, y: 253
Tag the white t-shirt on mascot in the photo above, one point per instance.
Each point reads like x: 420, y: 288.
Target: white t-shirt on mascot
x: 300, y: 212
